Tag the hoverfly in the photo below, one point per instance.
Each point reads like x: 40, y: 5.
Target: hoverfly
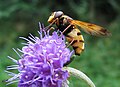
x: 69, y: 28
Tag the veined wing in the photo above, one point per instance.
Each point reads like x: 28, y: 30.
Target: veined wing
x: 90, y: 28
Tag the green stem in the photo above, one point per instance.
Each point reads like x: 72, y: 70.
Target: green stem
x: 79, y: 75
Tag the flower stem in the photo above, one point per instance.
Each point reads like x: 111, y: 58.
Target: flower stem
x: 79, y: 75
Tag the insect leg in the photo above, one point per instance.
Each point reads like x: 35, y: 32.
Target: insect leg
x: 66, y: 28
x: 52, y: 28
x: 50, y: 25
x: 71, y: 41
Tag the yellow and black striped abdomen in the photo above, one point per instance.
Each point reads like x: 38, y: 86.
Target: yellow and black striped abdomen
x: 76, y: 40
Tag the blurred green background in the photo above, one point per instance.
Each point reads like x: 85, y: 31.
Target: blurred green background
x: 101, y: 58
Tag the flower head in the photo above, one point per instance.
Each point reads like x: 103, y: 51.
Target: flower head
x: 41, y: 62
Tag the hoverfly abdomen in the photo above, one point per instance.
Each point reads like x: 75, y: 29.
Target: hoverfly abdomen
x: 77, y: 40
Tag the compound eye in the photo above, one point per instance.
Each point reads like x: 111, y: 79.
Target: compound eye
x: 58, y: 14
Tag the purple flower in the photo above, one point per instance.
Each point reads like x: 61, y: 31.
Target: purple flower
x: 41, y: 62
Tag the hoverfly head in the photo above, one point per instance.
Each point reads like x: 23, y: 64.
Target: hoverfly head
x: 55, y: 15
